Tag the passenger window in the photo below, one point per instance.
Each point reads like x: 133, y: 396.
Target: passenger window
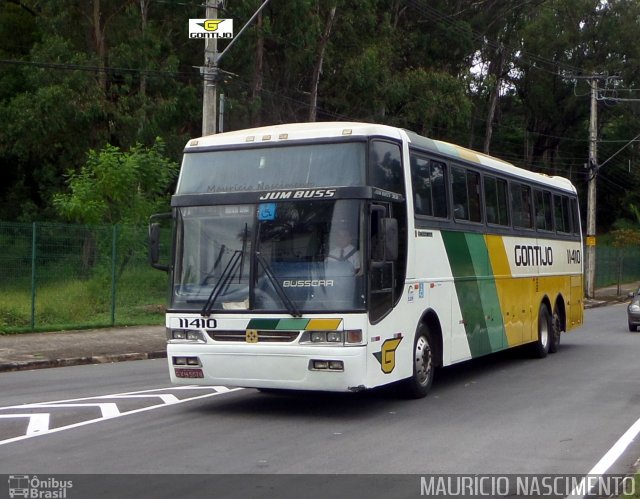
x: 562, y: 212
x: 521, y: 204
x: 575, y: 210
x: 496, y: 200
x: 544, y: 210
x: 385, y: 166
x: 466, y: 194
x: 429, y: 187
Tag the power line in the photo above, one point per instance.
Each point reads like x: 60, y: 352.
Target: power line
x: 97, y: 69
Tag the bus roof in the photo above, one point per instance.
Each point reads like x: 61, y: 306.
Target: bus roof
x: 293, y: 131
x: 278, y: 134
x: 455, y: 151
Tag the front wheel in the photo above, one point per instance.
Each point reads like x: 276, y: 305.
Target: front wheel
x: 419, y: 384
x: 540, y: 348
x: 633, y: 328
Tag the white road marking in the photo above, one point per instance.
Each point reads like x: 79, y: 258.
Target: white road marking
x: 108, y: 411
x: 39, y: 422
x: 166, y: 398
x: 612, y: 455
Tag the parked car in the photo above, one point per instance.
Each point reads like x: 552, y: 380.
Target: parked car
x: 633, y: 310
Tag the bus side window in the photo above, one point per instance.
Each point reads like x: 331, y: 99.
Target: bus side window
x: 420, y: 179
x: 497, y: 200
x: 466, y: 194
x: 562, y: 212
x: 385, y: 166
x: 575, y: 212
x: 521, y: 204
x: 459, y: 188
x: 429, y: 187
x: 543, y: 210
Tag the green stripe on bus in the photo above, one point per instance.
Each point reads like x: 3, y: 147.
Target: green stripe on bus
x: 476, y: 291
x: 268, y: 324
x: 292, y: 324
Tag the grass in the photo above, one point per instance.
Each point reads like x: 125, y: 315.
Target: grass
x: 72, y: 303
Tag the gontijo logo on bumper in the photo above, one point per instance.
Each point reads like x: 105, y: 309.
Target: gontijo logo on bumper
x: 210, y: 28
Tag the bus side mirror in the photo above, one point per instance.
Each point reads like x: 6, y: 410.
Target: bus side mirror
x: 389, y: 235
x: 154, y: 245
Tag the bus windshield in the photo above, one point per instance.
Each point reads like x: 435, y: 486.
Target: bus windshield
x: 292, y: 256
x: 257, y: 169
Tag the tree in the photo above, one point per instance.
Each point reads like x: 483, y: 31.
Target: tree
x: 117, y: 187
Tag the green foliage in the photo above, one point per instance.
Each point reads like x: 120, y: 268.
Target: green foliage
x: 118, y: 187
x: 126, y: 73
x: 623, y: 238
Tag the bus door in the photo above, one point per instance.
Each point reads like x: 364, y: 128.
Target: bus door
x: 383, y: 255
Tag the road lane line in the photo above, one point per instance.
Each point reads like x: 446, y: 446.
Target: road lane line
x: 612, y: 455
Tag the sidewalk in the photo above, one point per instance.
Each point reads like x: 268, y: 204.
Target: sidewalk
x: 609, y: 295
x: 98, y: 346
x: 70, y: 348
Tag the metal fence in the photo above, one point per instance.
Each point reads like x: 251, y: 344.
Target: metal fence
x: 617, y: 265
x: 55, y: 276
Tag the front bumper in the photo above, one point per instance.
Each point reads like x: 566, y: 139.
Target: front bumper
x: 634, y: 317
x: 272, y: 366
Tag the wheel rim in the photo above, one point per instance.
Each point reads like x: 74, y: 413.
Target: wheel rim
x: 423, y: 361
x: 543, y: 328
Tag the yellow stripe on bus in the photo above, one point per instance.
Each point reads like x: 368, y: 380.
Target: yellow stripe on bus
x: 323, y: 324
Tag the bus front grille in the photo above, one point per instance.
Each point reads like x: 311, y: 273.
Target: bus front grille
x: 262, y: 336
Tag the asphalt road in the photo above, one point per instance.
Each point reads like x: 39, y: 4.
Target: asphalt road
x: 502, y: 414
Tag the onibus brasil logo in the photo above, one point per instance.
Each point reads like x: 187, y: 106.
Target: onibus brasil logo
x: 211, y: 28
x: 41, y: 488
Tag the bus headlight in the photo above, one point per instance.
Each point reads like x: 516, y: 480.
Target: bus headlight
x: 349, y: 337
x: 317, y: 337
x: 326, y: 365
x: 192, y: 335
x: 334, y: 336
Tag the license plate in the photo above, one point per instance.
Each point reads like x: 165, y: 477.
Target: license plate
x: 189, y: 373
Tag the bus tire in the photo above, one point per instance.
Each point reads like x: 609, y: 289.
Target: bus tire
x: 540, y: 348
x: 556, y: 331
x: 419, y: 384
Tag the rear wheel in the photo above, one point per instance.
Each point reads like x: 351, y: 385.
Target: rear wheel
x: 556, y: 331
x: 418, y: 385
x: 540, y: 348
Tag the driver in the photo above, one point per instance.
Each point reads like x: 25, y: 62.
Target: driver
x: 342, y: 248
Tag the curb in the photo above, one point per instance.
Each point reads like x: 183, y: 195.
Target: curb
x: 25, y: 365
x: 592, y: 303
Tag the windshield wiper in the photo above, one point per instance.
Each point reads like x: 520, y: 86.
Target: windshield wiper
x: 225, y: 279
x: 268, y: 271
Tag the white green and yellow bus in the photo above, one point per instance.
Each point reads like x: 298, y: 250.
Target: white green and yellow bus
x: 346, y: 256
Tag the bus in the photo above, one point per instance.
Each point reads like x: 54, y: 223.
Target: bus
x: 347, y: 256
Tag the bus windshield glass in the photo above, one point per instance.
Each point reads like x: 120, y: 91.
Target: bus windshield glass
x: 251, y: 169
x: 292, y: 256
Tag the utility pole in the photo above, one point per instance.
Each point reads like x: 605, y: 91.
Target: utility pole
x: 210, y: 71
x: 592, y: 168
